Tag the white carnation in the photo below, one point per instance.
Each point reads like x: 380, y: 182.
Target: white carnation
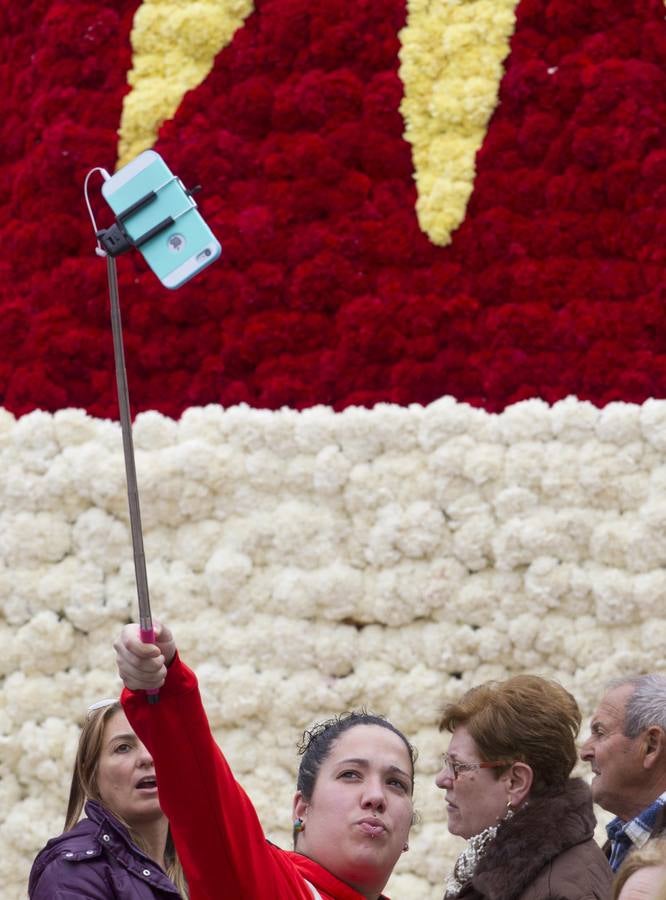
x: 523, y: 630
x: 413, y: 532
x: 525, y: 463
x: 450, y: 458
x: 358, y: 442
x: 546, y: 581
x: 314, y: 429
x: 100, y: 539
x: 331, y: 471
x: 246, y: 428
x: 9, y: 652
x: 614, y: 597
x: 561, y: 480
x: 619, y: 423
x: 447, y: 419
x: 174, y: 588
x: 44, y: 643
x: 307, y: 534
x: 529, y: 420
x: 237, y: 693
x: 264, y: 470
x: 75, y: 426
x: 205, y: 423
x: 44, y: 746
x: 397, y: 426
x: 152, y: 430
x: 30, y: 538
x: 652, y: 637
x: 19, y: 593
x: 472, y: 542
x: 514, y: 501
x: 653, y: 423
x: 649, y: 591
x: 298, y: 476
x: 33, y: 435
x: 226, y: 571
x: 484, y: 463
x: 573, y: 420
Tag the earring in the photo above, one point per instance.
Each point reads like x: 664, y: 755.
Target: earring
x: 509, y: 811
x: 405, y: 847
x: 299, y: 825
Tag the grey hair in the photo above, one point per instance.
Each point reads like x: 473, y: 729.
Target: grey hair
x: 646, y: 705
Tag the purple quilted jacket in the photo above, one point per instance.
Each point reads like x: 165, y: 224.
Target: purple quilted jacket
x: 98, y: 861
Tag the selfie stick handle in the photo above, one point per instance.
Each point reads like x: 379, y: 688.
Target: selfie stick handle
x: 146, y: 629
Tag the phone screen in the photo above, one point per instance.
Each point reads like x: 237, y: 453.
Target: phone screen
x: 183, y: 248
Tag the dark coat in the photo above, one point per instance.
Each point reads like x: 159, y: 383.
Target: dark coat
x: 98, y: 861
x: 546, y: 851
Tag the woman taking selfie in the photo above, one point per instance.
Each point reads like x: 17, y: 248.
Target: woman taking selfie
x: 122, y: 848
x: 352, y: 809
x: 506, y: 775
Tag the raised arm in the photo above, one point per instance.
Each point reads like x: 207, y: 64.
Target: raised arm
x: 217, y: 833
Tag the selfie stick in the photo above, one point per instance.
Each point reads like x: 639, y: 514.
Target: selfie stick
x: 111, y: 242
x: 146, y: 629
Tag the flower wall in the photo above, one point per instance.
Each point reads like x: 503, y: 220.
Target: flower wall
x: 405, y: 436
x: 311, y: 562
x: 335, y: 142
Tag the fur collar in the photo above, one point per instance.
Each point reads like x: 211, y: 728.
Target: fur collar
x: 537, y: 833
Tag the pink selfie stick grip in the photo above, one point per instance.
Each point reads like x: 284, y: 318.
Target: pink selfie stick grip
x: 148, y: 637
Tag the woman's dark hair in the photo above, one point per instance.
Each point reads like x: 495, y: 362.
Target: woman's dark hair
x: 317, y: 742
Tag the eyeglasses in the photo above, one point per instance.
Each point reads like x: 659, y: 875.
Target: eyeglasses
x: 457, y: 767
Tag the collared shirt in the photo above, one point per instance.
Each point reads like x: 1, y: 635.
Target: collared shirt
x: 635, y: 833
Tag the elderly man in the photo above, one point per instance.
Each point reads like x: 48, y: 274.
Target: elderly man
x: 627, y: 752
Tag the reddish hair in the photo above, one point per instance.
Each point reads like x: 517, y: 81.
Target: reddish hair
x: 525, y: 718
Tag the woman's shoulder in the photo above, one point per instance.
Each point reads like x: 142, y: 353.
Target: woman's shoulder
x: 54, y: 869
x: 96, y: 860
x: 579, y: 873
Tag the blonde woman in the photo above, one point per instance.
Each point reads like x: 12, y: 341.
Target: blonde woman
x: 122, y: 847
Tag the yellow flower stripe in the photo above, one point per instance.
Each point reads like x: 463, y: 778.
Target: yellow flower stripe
x: 452, y: 59
x: 174, y: 43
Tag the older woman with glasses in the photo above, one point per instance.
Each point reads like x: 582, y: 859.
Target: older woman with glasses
x: 506, y: 775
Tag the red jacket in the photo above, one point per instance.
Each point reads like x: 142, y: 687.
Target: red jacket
x: 218, y: 835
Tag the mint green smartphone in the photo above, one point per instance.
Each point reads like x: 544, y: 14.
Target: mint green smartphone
x: 147, y: 197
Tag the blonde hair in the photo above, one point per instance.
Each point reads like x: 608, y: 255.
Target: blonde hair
x: 526, y: 719
x: 84, y: 787
x: 653, y: 854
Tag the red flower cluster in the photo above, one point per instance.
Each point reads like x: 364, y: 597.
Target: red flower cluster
x: 328, y: 292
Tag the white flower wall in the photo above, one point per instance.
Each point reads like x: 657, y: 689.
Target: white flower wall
x: 314, y: 562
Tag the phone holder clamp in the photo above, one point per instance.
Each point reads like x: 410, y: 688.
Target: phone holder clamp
x: 116, y: 240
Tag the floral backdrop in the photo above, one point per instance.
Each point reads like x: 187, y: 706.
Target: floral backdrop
x: 311, y: 134
x: 406, y: 435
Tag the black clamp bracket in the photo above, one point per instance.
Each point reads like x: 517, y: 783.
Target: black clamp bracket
x: 116, y: 239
